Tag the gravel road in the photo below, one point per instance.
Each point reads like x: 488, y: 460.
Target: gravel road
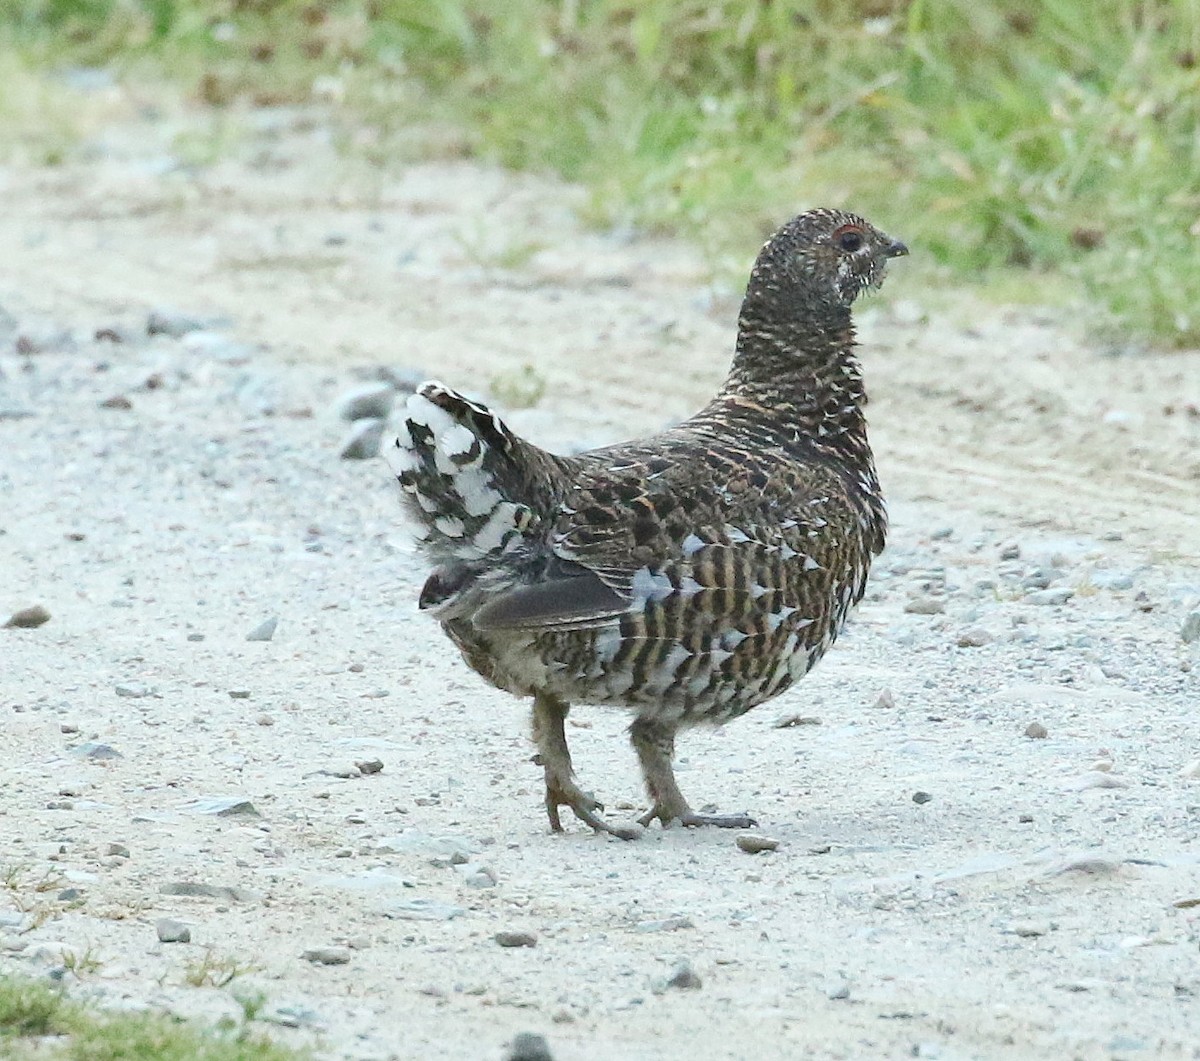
x: 235, y: 751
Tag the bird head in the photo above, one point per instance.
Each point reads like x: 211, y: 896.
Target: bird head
x: 825, y: 258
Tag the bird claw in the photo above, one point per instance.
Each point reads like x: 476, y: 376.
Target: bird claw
x: 584, y: 806
x: 691, y: 820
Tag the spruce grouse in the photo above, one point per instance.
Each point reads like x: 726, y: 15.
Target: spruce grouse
x: 687, y: 576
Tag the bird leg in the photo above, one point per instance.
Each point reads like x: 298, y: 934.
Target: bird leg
x: 562, y: 790
x: 654, y: 743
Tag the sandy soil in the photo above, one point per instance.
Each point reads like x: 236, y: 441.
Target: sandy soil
x: 1040, y: 898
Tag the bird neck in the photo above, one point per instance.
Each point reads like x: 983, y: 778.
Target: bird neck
x: 801, y: 366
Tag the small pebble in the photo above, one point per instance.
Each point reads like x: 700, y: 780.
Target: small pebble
x: 369, y: 766
x: 170, y: 931
x: 1029, y: 929
x: 753, y: 844
x: 1050, y: 597
x: 28, y: 618
x: 665, y: 924
x: 925, y: 606
x: 198, y: 890
x: 921, y: 797
x: 264, y: 631
x: 223, y: 807
x: 117, y: 401
x: 1036, y: 731
x: 885, y: 699
x: 117, y: 850
x: 239, y: 694
x: 327, y: 955
x: 974, y: 637
x: 171, y: 323
x: 508, y: 938
x: 685, y: 977
x: 1192, y: 770
x: 837, y: 990
x: 265, y: 720
x: 362, y: 441
x: 370, y: 402
x: 133, y: 690
x: 529, y: 1046
x: 788, y: 721
x: 1190, y: 630
x: 477, y: 875
x: 96, y: 751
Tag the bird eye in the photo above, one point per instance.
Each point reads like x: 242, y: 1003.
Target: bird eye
x: 850, y: 240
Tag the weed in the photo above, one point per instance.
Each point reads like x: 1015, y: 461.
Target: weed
x: 37, y: 1021
x: 520, y: 388
x: 213, y: 971
x: 80, y: 965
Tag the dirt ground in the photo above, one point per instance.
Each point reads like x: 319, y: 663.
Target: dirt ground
x: 949, y: 883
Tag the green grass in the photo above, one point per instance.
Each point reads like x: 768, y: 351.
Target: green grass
x: 40, y: 1022
x: 1001, y: 138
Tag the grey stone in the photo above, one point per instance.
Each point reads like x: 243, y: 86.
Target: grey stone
x: 509, y: 938
x: 327, y: 955
x: 974, y: 637
x: 477, y: 875
x: 223, y: 807
x: 370, y: 402
x: 195, y: 890
x: 1036, y: 731
x: 439, y: 851
x: 1029, y: 929
x: 172, y: 323
x: 1051, y: 597
x: 96, y: 751
x: 133, y: 690
x: 1190, y: 628
x: 362, y: 441
x: 70, y: 895
x: 117, y: 850
x: 684, y: 977
x: 1115, y: 581
x: 921, y: 797
x: 664, y: 924
x: 925, y: 606
x: 239, y: 694
x: 265, y: 630
x: 753, y: 844
x: 171, y: 931
x: 420, y: 909
x: 837, y: 990
x: 529, y: 1046
x: 28, y: 618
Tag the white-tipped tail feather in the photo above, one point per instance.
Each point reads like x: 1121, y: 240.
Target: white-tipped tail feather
x: 450, y: 456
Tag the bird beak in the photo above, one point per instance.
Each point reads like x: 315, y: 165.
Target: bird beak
x: 895, y: 249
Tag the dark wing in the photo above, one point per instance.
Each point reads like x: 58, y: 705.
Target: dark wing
x: 566, y: 596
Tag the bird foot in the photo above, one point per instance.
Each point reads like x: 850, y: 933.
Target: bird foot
x: 690, y: 819
x: 566, y: 793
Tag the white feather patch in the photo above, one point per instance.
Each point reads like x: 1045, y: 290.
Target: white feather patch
x: 500, y: 523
